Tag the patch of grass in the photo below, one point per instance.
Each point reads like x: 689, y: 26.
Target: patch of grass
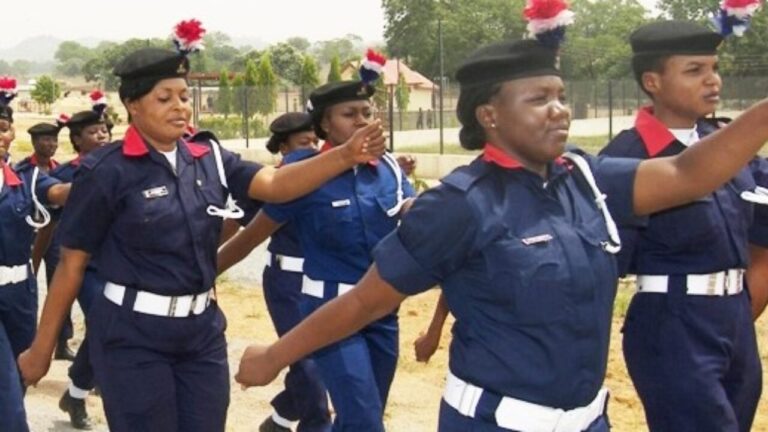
x: 623, y: 295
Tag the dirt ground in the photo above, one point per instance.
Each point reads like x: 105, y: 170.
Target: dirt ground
x: 415, y: 393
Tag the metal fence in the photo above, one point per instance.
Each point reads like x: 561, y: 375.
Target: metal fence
x: 605, y: 99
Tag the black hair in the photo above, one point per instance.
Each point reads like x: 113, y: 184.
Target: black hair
x: 6, y: 113
x: 472, y: 135
x: 642, y: 63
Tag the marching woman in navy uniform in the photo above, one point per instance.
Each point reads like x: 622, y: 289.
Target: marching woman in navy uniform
x: 521, y: 242
x: 338, y: 226
x: 689, y: 339
x: 22, y: 197
x: 304, y: 397
x: 148, y: 209
x: 45, y: 142
x: 87, y: 132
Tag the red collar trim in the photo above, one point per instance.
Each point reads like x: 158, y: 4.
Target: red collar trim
x: 327, y: 145
x: 76, y: 161
x: 11, y: 179
x: 34, y: 162
x: 197, y: 150
x: 133, y: 143
x: 497, y: 156
x: 655, y: 134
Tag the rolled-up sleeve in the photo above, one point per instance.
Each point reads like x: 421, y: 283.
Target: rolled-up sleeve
x: 239, y: 173
x: 433, y: 241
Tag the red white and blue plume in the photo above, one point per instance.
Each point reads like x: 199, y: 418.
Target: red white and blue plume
x: 547, y: 20
x: 62, y: 120
x: 734, y: 16
x: 7, y: 90
x: 98, y: 101
x: 188, y: 36
x: 372, y: 66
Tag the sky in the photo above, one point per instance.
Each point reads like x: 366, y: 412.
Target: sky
x: 270, y: 20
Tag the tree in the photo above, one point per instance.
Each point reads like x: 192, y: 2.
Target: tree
x: 286, y: 61
x: 21, y: 68
x: 240, y: 95
x: 411, y: 29
x: 108, y: 55
x: 344, y: 48
x: 308, y: 79
x: 596, y: 44
x: 46, y: 92
x: 5, y: 68
x: 71, y: 56
x: 266, y: 86
x: 298, y: 42
x: 691, y: 10
x: 334, y: 73
x: 224, y: 99
x: 402, y: 97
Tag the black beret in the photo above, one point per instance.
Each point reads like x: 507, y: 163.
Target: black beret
x: 285, y: 125
x: 43, y: 129
x: 673, y: 38
x: 338, y: 92
x: 140, y: 70
x: 506, y: 61
x: 155, y: 63
x: 84, y: 119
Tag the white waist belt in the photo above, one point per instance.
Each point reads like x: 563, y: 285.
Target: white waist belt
x: 155, y: 304
x: 728, y: 282
x: 287, y: 263
x: 316, y: 288
x: 13, y: 274
x: 519, y: 415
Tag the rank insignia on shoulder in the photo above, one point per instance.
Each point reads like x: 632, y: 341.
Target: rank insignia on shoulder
x: 155, y: 192
x: 341, y: 203
x: 543, y: 238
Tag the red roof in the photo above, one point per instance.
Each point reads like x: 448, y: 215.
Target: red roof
x: 392, y: 70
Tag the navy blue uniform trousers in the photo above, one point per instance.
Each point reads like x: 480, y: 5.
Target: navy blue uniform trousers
x: 304, y: 397
x: 693, y: 361
x: 81, y: 370
x: 358, y: 371
x: 18, y: 321
x: 160, y: 373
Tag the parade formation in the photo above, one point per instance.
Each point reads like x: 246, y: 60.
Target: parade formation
x: 526, y: 245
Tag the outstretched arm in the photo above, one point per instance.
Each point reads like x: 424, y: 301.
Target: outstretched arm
x: 297, y: 179
x: 663, y: 183
x: 242, y: 243
x: 371, y: 299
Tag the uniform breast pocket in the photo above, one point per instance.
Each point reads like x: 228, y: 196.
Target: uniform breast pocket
x: 530, y: 278
x: 333, y: 222
x: 212, y: 195
x: 146, y: 220
x: 23, y: 208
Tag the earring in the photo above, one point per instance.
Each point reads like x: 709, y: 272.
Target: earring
x: 493, y: 125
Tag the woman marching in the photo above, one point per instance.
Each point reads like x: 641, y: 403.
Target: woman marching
x: 338, y: 225
x: 152, y: 225
x: 22, y: 197
x: 525, y: 256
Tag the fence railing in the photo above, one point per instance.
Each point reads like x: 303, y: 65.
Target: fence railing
x: 241, y: 112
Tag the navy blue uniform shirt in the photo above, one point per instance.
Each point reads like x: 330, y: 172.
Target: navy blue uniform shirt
x: 145, y: 224
x: 522, y: 270
x: 340, y: 223
x: 15, y: 205
x: 66, y: 174
x: 708, y: 235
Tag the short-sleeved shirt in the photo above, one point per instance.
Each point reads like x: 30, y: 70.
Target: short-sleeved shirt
x: 145, y: 223
x: 520, y: 262
x: 340, y: 223
x: 16, y: 204
x: 66, y: 174
x: 708, y: 235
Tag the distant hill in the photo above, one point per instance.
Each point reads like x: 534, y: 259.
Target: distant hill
x: 35, y: 49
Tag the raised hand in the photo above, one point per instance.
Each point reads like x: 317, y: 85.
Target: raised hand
x: 366, y: 144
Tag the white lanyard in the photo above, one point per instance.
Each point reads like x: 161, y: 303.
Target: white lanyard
x: 231, y: 210
x: 40, y: 209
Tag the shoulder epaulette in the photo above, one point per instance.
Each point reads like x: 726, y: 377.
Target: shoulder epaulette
x: 95, y: 157
x: 464, y: 177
